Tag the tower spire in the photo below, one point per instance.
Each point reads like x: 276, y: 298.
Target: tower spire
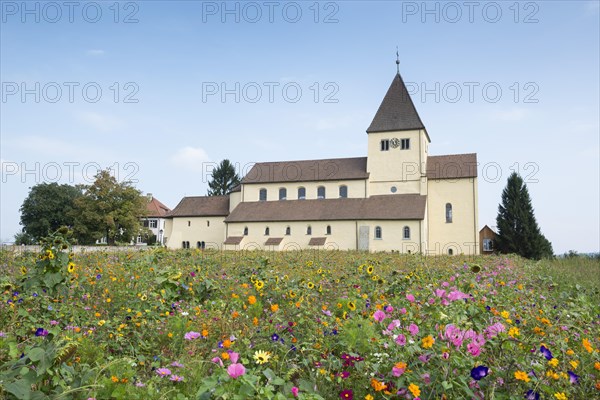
x: 397, y: 61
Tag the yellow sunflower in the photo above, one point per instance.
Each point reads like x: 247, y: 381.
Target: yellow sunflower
x: 310, y: 285
x: 370, y: 269
x: 351, y: 306
x: 71, y: 267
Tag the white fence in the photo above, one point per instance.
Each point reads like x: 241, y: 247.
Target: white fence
x: 76, y: 248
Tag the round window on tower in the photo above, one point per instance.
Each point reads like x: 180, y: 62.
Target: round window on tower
x: 393, y: 189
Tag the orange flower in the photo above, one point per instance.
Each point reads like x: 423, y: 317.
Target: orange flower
x: 597, y: 365
x: 225, y: 355
x: 521, y: 376
x: 378, y: 386
x: 251, y: 300
x: 205, y: 332
x: 588, y: 346
x: 114, y: 379
x: 414, y: 389
x: 226, y: 343
x: 427, y: 342
x: 255, y: 321
x: 274, y: 307
x: 235, y: 314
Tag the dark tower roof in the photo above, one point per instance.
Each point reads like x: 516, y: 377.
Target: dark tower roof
x: 397, y: 111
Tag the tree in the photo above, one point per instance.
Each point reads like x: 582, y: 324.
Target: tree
x: 48, y: 206
x: 224, y: 178
x: 24, y: 238
x: 518, y: 231
x: 109, y: 209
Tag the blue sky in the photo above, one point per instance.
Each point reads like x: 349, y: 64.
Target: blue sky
x: 160, y: 91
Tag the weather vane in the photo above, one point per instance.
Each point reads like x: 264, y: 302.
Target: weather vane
x: 397, y: 60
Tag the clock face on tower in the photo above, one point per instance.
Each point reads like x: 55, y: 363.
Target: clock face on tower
x: 395, y: 143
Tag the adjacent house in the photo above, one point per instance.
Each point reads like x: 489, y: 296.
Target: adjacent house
x: 397, y: 198
x: 154, y: 220
x: 487, y: 238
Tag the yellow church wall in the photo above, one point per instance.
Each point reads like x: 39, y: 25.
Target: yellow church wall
x: 210, y: 230
x: 460, y: 235
x: 344, y: 235
x: 395, y: 164
x: 356, y: 189
x: 234, y: 199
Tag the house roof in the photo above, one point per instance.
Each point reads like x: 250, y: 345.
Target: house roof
x: 397, y: 111
x: 452, y: 166
x: 233, y: 240
x: 201, y: 206
x: 275, y: 241
x: 317, y: 241
x: 156, y: 209
x: 382, y: 207
x: 331, y: 169
x: 236, y: 188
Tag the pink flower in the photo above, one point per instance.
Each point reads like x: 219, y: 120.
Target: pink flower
x: 440, y: 292
x: 393, y: 325
x: 397, y: 371
x: 389, y: 309
x: 379, y: 315
x: 401, y: 340
x: 233, y: 356
x: 236, y: 370
x: 295, y: 391
x: 403, y: 310
x: 191, y: 335
x: 413, y: 329
x: 163, y: 372
x: 410, y: 298
x: 217, y: 360
x: 176, y: 378
x: 426, y: 378
x: 474, y: 349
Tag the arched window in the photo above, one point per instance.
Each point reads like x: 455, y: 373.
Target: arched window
x: 328, y: 230
x: 198, y: 245
x: 448, y: 213
x: 262, y: 195
x: 282, y: 193
x: 378, y: 232
x: 183, y: 244
x: 267, y: 231
x: 309, y: 230
x: 406, y: 232
x: 450, y: 252
x: 246, y: 231
x: 321, y: 192
x: 187, y: 245
x: 301, y: 193
x: 343, y: 191
x: 288, y: 231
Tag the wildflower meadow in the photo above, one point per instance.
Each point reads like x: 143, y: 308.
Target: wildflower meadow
x: 186, y: 324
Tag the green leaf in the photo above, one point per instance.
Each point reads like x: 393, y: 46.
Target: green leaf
x: 21, y: 389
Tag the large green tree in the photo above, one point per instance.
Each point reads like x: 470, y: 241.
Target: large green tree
x: 518, y: 231
x: 48, y: 206
x: 223, y: 179
x: 109, y: 209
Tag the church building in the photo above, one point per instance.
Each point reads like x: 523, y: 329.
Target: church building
x: 397, y: 198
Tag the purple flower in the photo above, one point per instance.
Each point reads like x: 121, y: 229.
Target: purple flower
x: 413, y: 329
x: 176, y: 378
x: 191, y: 335
x: 347, y: 394
x: 41, y: 332
x: 163, y: 372
x: 531, y: 395
x: 573, y: 377
x: 401, y: 340
x: 274, y: 337
x: 479, y: 372
x: 546, y: 352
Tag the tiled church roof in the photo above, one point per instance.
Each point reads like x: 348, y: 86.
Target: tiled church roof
x: 331, y: 169
x: 383, y: 207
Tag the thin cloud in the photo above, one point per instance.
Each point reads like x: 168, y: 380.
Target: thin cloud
x: 95, y: 52
x: 100, y: 122
x: 190, y: 158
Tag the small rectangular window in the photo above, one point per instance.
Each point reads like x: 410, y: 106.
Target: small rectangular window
x: 405, y: 144
x: 488, y: 245
x: 385, y: 145
x: 153, y: 223
x: 189, y: 223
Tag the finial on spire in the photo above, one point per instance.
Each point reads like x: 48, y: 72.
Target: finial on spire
x: 397, y: 61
